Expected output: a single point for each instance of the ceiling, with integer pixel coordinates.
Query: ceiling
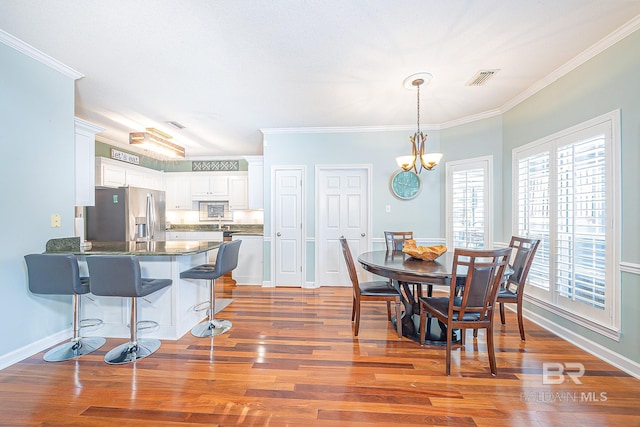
(227, 69)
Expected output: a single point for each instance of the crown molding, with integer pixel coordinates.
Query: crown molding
(39, 56)
(473, 118)
(627, 29)
(347, 129)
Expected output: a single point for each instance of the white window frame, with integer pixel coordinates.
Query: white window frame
(484, 163)
(607, 321)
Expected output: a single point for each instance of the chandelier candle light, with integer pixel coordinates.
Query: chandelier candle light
(418, 158)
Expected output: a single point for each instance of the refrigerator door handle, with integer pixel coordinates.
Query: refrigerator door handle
(151, 216)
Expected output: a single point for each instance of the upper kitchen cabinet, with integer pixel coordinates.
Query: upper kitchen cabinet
(113, 173)
(255, 184)
(238, 192)
(85, 151)
(178, 191)
(210, 187)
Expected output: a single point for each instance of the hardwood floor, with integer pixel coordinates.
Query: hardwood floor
(291, 359)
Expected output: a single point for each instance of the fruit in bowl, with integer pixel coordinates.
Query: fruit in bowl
(425, 253)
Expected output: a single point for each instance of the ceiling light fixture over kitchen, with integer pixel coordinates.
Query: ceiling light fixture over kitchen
(156, 141)
(418, 158)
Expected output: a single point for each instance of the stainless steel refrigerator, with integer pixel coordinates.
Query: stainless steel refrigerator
(126, 214)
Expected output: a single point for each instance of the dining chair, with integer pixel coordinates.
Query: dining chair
(395, 242)
(379, 290)
(473, 307)
(513, 290)
(395, 239)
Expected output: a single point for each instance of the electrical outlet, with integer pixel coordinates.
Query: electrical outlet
(55, 220)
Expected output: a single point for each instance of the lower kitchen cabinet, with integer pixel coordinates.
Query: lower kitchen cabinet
(250, 269)
(201, 236)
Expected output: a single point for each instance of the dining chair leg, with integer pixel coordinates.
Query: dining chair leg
(448, 351)
(502, 313)
(357, 323)
(429, 290)
(492, 355)
(353, 309)
(520, 322)
(398, 318)
(389, 311)
(423, 328)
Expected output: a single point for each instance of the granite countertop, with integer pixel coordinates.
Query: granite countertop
(245, 229)
(153, 248)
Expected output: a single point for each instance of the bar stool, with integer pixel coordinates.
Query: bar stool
(120, 276)
(59, 274)
(226, 261)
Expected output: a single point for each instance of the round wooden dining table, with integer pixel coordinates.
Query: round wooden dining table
(404, 269)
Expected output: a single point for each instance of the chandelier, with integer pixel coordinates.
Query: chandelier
(418, 158)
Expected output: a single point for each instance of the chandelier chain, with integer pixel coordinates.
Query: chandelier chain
(418, 108)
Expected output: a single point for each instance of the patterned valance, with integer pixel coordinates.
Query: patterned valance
(215, 165)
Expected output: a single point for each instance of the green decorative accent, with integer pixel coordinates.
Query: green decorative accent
(215, 165)
(405, 185)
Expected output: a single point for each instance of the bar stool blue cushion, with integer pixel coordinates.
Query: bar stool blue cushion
(59, 274)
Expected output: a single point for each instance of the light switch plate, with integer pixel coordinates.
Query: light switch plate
(55, 220)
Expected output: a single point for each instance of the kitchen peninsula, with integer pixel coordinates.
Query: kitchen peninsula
(172, 307)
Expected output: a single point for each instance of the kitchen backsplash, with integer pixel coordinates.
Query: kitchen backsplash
(186, 217)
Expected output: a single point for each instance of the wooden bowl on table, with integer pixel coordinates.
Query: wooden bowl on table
(425, 253)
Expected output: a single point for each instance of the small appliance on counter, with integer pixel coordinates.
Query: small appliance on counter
(126, 214)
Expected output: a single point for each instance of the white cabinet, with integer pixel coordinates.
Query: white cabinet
(210, 236)
(177, 235)
(209, 187)
(178, 191)
(109, 173)
(113, 173)
(195, 236)
(238, 192)
(85, 152)
(255, 182)
(250, 260)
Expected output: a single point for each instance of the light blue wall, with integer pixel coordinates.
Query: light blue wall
(607, 82)
(37, 179)
(424, 214)
(478, 139)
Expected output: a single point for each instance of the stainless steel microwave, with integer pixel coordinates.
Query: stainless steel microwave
(215, 211)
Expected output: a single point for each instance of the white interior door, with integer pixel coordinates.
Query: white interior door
(287, 220)
(342, 209)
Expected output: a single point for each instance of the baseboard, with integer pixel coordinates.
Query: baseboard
(34, 347)
(623, 363)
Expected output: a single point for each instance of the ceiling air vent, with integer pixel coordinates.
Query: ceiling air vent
(175, 124)
(481, 77)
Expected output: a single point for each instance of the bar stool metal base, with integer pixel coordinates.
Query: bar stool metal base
(211, 328)
(130, 352)
(74, 348)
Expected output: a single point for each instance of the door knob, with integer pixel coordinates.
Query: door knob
(362, 234)
(278, 234)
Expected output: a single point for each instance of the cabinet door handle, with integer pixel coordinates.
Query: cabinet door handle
(278, 234)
